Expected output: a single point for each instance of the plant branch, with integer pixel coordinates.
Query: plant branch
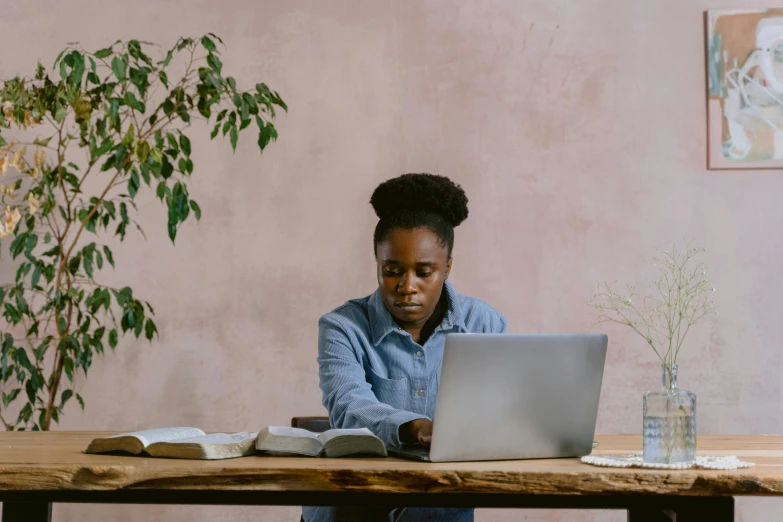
(81, 112)
(681, 302)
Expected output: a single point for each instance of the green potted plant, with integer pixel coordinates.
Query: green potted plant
(75, 150)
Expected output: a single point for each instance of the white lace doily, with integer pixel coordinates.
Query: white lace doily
(636, 461)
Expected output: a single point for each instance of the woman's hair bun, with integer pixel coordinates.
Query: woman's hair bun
(423, 193)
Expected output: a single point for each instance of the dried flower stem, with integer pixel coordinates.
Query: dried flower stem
(663, 320)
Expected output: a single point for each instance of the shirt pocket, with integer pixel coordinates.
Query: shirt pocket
(394, 392)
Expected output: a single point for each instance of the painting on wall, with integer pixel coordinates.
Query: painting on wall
(745, 88)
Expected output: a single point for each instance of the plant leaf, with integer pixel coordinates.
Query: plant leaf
(36, 276)
(118, 68)
(134, 103)
(134, 183)
(196, 209)
(77, 71)
(103, 53)
(68, 365)
(234, 137)
(208, 44)
(109, 256)
(8, 399)
(87, 263)
(184, 143)
(67, 394)
(150, 329)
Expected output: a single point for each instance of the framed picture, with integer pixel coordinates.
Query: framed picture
(745, 88)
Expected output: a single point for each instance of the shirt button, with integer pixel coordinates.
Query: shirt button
(419, 354)
(421, 393)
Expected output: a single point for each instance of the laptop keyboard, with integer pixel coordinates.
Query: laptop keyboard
(410, 451)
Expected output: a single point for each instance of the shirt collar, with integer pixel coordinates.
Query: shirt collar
(382, 323)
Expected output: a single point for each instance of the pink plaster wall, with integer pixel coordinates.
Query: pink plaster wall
(577, 129)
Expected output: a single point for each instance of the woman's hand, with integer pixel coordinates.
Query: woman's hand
(417, 431)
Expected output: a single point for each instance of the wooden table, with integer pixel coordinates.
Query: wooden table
(38, 469)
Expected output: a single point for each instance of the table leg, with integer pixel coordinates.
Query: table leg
(648, 515)
(695, 509)
(27, 512)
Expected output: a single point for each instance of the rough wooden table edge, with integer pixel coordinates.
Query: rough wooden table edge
(603, 482)
(54, 471)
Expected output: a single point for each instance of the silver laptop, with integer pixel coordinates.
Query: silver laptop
(510, 396)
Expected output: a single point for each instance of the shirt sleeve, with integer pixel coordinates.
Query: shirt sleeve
(496, 323)
(347, 395)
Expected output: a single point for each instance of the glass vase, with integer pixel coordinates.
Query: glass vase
(669, 422)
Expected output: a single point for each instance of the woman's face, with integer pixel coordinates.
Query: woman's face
(412, 266)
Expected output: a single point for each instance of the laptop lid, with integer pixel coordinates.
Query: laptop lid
(514, 396)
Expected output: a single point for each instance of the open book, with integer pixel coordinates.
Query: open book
(281, 440)
(179, 443)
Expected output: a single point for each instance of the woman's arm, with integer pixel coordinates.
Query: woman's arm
(347, 395)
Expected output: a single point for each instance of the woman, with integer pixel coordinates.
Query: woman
(379, 356)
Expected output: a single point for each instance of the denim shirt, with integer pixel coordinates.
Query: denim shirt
(373, 375)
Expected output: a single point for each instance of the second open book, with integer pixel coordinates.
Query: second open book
(192, 443)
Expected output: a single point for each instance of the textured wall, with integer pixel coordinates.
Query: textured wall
(577, 129)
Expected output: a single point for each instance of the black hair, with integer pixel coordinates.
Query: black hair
(414, 201)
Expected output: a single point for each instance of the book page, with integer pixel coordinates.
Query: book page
(285, 431)
(341, 443)
(331, 434)
(217, 438)
(212, 446)
(282, 440)
(148, 437)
